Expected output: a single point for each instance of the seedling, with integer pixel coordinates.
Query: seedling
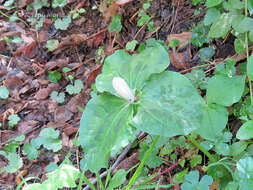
(58, 97)
(54, 76)
(76, 88)
(77, 12)
(52, 45)
(4, 92)
(13, 120)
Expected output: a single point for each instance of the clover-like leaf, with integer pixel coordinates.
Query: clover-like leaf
(62, 24)
(15, 162)
(169, 105)
(244, 173)
(58, 97)
(13, 120)
(76, 88)
(48, 137)
(193, 183)
(64, 176)
(30, 150)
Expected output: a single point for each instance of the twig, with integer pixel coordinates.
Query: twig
(119, 159)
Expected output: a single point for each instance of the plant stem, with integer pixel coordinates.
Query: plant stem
(247, 49)
(211, 158)
(143, 161)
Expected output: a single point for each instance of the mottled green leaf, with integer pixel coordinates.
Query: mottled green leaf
(211, 15)
(246, 131)
(212, 3)
(221, 26)
(214, 121)
(225, 90)
(169, 105)
(104, 129)
(135, 69)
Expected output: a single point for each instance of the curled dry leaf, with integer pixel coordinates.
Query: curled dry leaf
(20, 176)
(178, 60)
(183, 38)
(127, 163)
(72, 40)
(122, 2)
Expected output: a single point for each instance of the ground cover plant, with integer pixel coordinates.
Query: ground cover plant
(122, 94)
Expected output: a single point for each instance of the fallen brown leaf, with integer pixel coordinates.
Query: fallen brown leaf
(178, 60)
(183, 38)
(127, 163)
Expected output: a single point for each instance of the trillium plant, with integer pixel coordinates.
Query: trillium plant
(136, 93)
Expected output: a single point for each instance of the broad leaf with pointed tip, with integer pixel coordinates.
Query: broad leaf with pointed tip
(169, 105)
(135, 69)
(214, 121)
(104, 129)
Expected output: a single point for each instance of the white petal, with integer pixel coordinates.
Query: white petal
(122, 89)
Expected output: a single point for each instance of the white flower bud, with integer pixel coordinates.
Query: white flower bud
(122, 89)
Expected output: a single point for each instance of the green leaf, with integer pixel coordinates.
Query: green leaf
(222, 148)
(51, 167)
(62, 24)
(233, 4)
(54, 76)
(195, 161)
(144, 19)
(118, 179)
(246, 131)
(245, 25)
(76, 88)
(225, 90)
(38, 4)
(168, 106)
(14, 162)
(250, 6)
(131, 45)
(13, 120)
(48, 137)
(206, 53)
(239, 46)
(64, 176)
(59, 3)
(250, 68)
(4, 92)
(193, 183)
(198, 78)
(115, 25)
(212, 3)
(135, 70)
(58, 97)
(8, 3)
(52, 45)
(214, 121)
(221, 26)
(237, 148)
(104, 129)
(17, 39)
(244, 173)
(31, 151)
(211, 15)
